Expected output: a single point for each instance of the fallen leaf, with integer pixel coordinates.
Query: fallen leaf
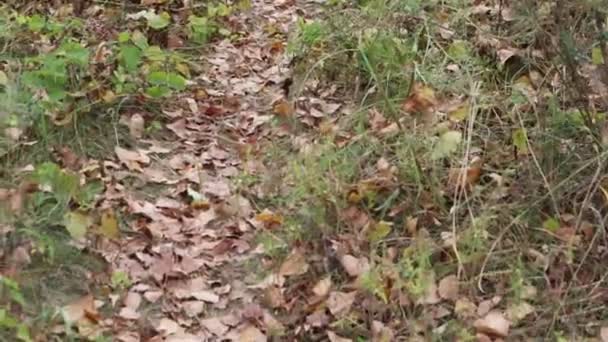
(251, 334)
(215, 326)
(494, 323)
(77, 224)
(448, 288)
(206, 296)
(447, 144)
(109, 225)
(333, 337)
(131, 159)
(421, 99)
(382, 333)
(269, 218)
(518, 311)
(129, 314)
(193, 308)
(379, 231)
(136, 125)
(168, 326)
(464, 308)
(354, 266)
(80, 309)
(321, 289)
(460, 113)
(283, 108)
(132, 300)
(339, 303)
(295, 264)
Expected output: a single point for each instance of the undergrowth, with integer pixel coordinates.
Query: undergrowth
(472, 150)
(67, 76)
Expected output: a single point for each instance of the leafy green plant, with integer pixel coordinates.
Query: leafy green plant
(10, 293)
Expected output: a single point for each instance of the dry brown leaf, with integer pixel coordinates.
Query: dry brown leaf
(295, 264)
(129, 314)
(82, 308)
(339, 303)
(448, 288)
(206, 296)
(136, 125)
(518, 311)
(153, 296)
(430, 296)
(132, 300)
(131, 159)
(354, 266)
(333, 337)
(215, 326)
(382, 333)
(485, 306)
(283, 108)
(251, 334)
(494, 323)
(421, 100)
(193, 308)
(465, 308)
(168, 326)
(321, 289)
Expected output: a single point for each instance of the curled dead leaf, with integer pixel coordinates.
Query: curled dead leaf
(354, 266)
(339, 303)
(295, 264)
(322, 287)
(494, 324)
(448, 288)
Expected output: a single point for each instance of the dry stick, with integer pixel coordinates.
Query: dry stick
(524, 212)
(461, 179)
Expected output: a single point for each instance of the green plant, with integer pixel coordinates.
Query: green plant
(10, 293)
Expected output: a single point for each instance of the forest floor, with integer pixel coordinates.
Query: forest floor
(286, 170)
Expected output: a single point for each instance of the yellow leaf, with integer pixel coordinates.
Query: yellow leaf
(109, 225)
(183, 69)
(379, 231)
(269, 218)
(597, 57)
(77, 224)
(3, 78)
(108, 96)
(460, 113)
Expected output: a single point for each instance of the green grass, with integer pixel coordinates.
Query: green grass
(539, 147)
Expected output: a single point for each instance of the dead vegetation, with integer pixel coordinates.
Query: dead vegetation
(372, 170)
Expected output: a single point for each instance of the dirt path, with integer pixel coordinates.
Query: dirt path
(192, 224)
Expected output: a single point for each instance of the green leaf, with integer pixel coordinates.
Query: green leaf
(597, 57)
(447, 144)
(157, 91)
(36, 23)
(124, 37)
(520, 140)
(140, 40)
(551, 224)
(74, 53)
(77, 224)
(169, 79)
(23, 333)
(459, 50)
(130, 57)
(158, 21)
